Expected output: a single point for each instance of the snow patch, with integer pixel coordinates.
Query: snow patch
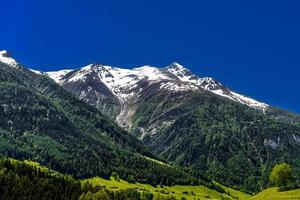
(173, 86)
(122, 82)
(58, 75)
(213, 86)
(37, 71)
(248, 101)
(5, 58)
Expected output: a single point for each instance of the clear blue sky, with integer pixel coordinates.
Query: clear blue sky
(251, 46)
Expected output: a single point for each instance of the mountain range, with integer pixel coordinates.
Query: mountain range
(170, 114)
(41, 121)
(121, 87)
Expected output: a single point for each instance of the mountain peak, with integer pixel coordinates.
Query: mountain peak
(181, 72)
(4, 52)
(92, 66)
(5, 58)
(176, 65)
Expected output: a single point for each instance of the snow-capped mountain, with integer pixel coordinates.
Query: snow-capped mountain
(126, 83)
(181, 117)
(214, 86)
(123, 82)
(121, 93)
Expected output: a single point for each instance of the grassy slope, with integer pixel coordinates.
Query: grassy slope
(274, 194)
(222, 139)
(41, 167)
(234, 193)
(200, 192)
(176, 191)
(156, 161)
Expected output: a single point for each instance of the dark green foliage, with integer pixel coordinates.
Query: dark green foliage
(227, 141)
(21, 181)
(147, 196)
(39, 120)
(283, 115)
(115, 176)
(281, 175)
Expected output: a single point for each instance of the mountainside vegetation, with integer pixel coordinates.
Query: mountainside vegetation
(282, 175)
(19, 180)
(275, 194)
(29, 180)
(188, 137)
(39, 120)
(211, 134)
(177, 191)
(229, 142)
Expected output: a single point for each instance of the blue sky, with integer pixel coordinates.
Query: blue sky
(251, 46)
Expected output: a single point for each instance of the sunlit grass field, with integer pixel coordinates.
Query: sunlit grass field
(178, 191)
(274, 194)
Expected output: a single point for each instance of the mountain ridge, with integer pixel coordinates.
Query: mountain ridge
(207, 83)
(180, 72)
(43, 122)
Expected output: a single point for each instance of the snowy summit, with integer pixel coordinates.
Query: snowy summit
(126, 83)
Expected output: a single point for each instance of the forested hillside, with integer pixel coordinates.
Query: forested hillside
(210, 135)
(191, 121)
(229, 142)
(41, 121)
(29, 180)
(19, 180)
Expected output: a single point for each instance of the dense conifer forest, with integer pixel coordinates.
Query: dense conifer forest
(41, 121)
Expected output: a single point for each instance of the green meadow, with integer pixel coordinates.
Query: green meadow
(178, 191)
(274, 194)
(181, 191)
